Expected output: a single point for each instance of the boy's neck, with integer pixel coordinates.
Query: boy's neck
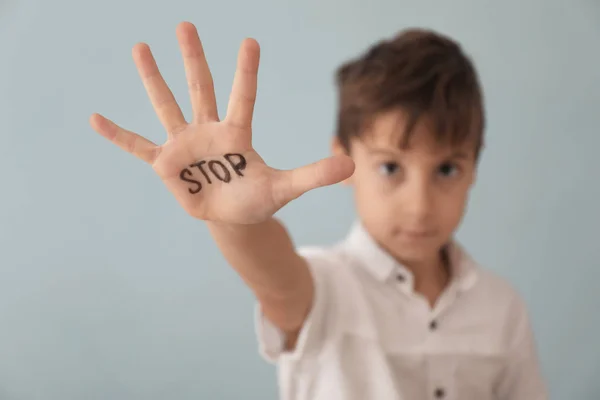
(431, 276)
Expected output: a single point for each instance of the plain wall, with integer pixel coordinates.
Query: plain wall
(109, 291)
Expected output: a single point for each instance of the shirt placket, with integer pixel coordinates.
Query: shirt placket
(441, 385)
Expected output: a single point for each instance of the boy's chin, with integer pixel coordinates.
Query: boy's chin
(416, 252)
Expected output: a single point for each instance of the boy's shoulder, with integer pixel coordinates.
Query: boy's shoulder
(494, 294)
(331, 257)
(493, 281)
(495, 285)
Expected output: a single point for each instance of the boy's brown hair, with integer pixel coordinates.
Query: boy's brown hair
(421, 72)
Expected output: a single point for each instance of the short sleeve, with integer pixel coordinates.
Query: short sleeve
(314, 331)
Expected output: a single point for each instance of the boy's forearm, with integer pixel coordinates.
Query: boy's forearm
(265, 258)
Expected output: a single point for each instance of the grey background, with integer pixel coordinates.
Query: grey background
(109, 291)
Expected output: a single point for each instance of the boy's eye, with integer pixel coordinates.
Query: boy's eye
(448, 169)
(388, 168)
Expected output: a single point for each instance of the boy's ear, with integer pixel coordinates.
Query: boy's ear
(473, 176)
(338, 149)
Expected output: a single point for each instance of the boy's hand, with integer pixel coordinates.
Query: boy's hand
(210, 165)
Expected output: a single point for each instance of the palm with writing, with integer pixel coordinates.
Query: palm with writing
(209, 165)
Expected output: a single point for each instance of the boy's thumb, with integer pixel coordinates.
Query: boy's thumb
(292, 184)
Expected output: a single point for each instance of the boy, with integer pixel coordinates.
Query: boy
(398, 310)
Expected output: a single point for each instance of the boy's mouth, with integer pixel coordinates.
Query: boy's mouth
(416, 234)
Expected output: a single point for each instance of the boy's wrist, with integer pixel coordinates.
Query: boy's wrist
(234, 227)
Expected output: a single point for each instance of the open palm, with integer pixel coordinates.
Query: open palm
(210, 165)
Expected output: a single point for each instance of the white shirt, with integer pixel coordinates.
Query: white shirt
(370, 336)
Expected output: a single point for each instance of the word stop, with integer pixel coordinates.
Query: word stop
(213, 170)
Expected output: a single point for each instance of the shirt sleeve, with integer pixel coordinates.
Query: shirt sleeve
(314, 331)
(522, 378)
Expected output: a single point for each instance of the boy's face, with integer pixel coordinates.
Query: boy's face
(410, 200)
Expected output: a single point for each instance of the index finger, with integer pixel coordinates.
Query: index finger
(160, 95)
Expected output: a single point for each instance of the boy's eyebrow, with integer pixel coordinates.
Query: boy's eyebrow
(377, 150)
(457, 155)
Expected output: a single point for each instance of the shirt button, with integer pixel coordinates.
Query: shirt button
(433, 325)
(439, 393)
(400, 277)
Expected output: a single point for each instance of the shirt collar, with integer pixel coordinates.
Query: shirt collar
(383, 266)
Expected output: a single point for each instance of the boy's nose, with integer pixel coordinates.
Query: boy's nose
(417, 201)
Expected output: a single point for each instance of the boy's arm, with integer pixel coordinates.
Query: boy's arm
(264, 256)
(215, 174)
